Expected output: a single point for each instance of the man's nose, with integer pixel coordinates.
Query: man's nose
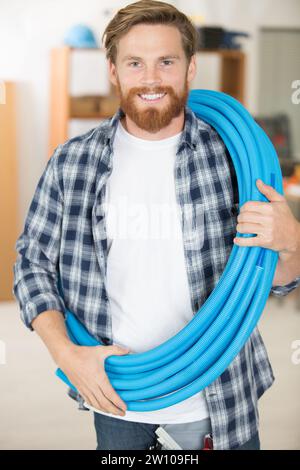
(151, 77)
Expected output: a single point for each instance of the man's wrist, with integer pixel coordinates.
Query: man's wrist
(296, 245)
(288, 266)
(62, 351)
(294, 248)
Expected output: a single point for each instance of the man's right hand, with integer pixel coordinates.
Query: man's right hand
(84, 367)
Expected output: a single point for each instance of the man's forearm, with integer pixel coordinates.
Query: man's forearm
(50, 326)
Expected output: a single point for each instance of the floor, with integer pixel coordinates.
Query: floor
(36, 413)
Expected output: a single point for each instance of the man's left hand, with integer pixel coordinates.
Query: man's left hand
(273, 223)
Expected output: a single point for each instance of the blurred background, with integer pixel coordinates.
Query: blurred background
(54, 85)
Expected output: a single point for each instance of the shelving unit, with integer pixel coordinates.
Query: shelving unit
(232, 80)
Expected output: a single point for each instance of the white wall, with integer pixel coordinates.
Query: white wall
(29, 29)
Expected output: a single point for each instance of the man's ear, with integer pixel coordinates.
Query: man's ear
(192, 68)
(112, 72)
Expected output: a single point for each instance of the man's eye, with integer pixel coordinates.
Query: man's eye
(135, 63)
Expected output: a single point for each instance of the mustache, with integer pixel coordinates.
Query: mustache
(146, 90)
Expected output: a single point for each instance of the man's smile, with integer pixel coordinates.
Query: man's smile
(152, 97)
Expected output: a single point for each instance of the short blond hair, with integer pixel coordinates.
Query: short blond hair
(149, 12)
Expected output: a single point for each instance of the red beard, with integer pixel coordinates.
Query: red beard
(152, 119)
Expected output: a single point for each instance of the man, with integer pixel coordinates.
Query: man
(131, 286)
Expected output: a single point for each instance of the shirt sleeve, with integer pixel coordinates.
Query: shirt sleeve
(36, 267)
(286, 289)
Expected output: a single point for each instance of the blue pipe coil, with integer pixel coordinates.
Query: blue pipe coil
(199, 353)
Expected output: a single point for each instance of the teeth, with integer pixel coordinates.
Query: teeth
(152, 96)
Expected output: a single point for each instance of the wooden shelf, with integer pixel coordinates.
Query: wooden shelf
(9, 190)
(232, 82)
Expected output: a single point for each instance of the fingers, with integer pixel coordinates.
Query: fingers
(113, 350)
(88, 397)
(109, 404)
(108, 398)
(97, 399)
(99, 392)
(256, 206)
(253, 241)
(253, 217)
(110, 393)
(257, 229)
(104, 384)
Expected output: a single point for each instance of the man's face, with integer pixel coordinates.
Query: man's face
(152, 75)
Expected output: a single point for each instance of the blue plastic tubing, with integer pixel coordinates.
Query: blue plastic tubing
(204, 348)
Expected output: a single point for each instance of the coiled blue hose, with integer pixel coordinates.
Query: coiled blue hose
(202, 351)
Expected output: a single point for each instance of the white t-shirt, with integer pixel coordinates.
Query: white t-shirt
(147, 282)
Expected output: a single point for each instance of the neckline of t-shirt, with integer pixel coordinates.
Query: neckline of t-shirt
(137, 141)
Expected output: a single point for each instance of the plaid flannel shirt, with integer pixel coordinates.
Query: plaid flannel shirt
(64, 238)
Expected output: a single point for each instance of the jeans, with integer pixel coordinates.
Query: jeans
(118, 434)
